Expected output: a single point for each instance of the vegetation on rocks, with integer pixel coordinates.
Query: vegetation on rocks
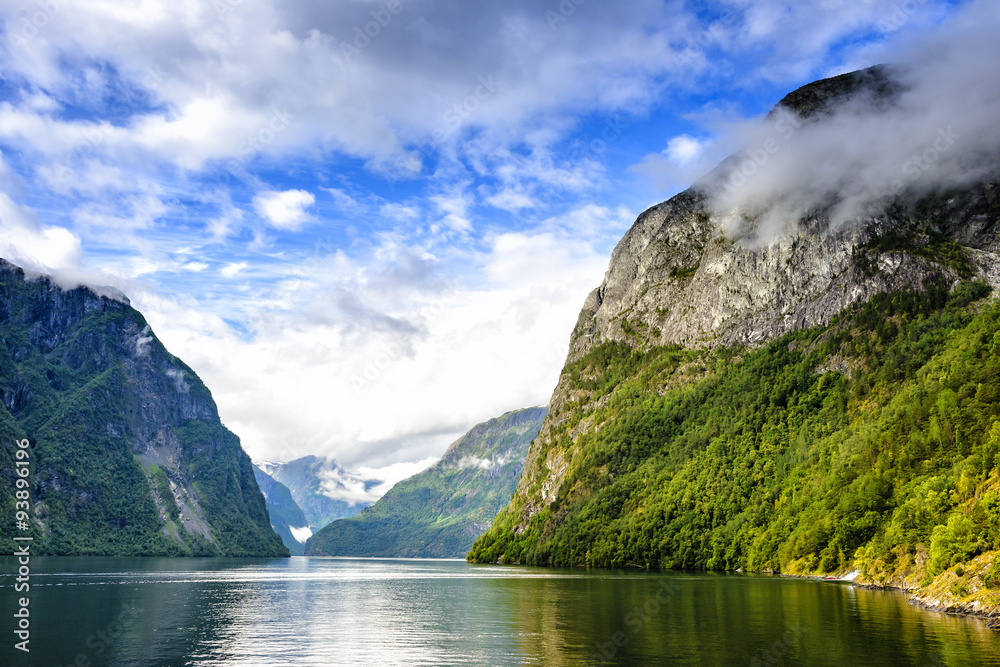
(770, 459)
(129, 455)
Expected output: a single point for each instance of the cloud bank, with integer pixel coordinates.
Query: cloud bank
(934, 127)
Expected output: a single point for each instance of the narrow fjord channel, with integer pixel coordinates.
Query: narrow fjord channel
(321, 611)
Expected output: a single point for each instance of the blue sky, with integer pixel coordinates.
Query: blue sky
(366, 243)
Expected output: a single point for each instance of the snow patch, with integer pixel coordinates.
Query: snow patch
(301, 534)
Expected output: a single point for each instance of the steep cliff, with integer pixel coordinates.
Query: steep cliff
(286, 516)
(441, 511)
(814, 399)
(130, 457)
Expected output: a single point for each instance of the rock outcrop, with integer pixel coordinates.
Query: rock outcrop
(676, 277)
(130, 457)
(807, 398)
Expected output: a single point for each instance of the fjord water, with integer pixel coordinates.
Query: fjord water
(318, 611)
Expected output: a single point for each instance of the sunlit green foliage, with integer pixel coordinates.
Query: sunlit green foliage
(875, 437)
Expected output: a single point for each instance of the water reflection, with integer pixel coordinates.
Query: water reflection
(303, 611)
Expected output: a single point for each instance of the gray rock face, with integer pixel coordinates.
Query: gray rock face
(124, 434)
(681, 275)
(676, 279)
(286, 516)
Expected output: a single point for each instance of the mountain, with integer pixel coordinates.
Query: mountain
(823, 399)
(286, 516)
(129, 455)
(323, 490)
(439, 512)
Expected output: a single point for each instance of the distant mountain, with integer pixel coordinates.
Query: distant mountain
(441, 511)
(286, 516)
(313, 481)
(130, 457)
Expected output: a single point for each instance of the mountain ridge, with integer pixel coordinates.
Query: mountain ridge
(440, 511)
(310, 478)
(130, 456)
(720, 405)
(286, 516)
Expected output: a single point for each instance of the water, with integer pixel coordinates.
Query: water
(315, 611)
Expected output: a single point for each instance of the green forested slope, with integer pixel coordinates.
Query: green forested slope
(440, 511)
(130, 455)
(872, 443)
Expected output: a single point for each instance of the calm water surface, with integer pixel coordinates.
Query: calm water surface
(318, 611)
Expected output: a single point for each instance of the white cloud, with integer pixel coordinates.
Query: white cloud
(400, 212)
(484, 464)
(455, 210)
(390, 475)
(285, 210)
(142, 128)
(33, 246)
(683, 149)
(511, 201)
(388, 329)
(941, 131)
(343, 200)
(232, 269)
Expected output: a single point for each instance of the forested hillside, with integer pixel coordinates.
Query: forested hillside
(870, 443)
(130, 457)
(442, 510)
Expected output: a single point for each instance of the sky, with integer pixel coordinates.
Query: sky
(370, 225)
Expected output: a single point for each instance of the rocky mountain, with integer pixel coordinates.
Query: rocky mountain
(325, 491)
(440, 512)
(821, 398)
(129, 455)
(683, 275)
(286, 516)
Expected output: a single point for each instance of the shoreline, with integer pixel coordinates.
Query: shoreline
(990, 615)
(948, 593)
